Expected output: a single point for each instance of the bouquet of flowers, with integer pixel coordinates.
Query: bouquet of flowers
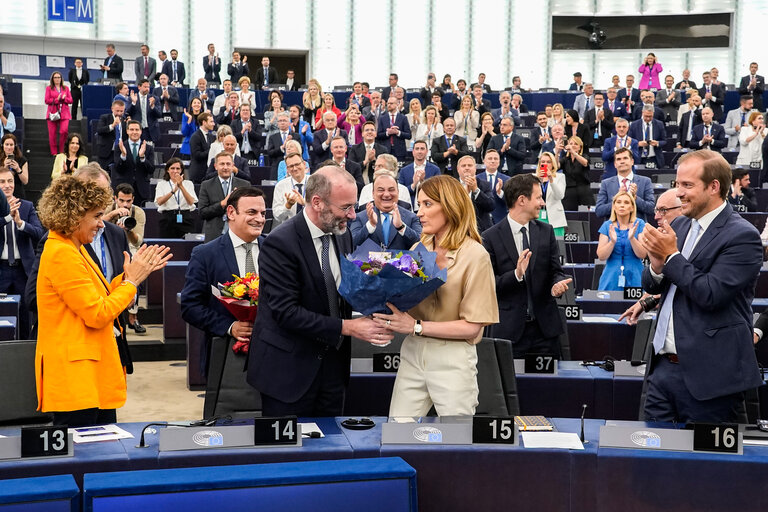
(371, 277)
(241, 298)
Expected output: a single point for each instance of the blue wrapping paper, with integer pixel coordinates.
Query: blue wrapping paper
(369, 294)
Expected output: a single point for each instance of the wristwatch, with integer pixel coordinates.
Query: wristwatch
(418, 329)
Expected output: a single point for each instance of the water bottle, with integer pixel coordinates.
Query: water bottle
(261, 160)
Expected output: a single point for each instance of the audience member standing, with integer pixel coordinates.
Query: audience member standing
(58, 98)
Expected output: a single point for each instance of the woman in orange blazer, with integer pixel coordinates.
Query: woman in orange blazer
(77, 365)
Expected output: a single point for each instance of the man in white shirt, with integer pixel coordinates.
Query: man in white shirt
(221, 99)
(288, 197)
(169, 98)
(584, 101)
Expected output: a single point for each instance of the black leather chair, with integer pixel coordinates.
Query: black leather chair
(227, 392)
(496, 378)
(563, 340)
(18, 401)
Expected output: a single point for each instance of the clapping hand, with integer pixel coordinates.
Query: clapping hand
(612, 233)
(146, 260)
(143, 149)
(560, 287)
(522, 263)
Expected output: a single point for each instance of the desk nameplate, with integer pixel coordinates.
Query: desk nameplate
(520, 368)
(211, 438)
(426, 433)
(10, 448)
(646, 438)
(625, 369)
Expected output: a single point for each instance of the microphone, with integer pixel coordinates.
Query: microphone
(144, 430)
(200, 423)
(583, 412)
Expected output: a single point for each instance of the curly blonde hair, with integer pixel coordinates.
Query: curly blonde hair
(66, 201)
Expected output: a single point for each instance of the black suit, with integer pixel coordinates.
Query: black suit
(716, 104)
(514, 156)
(447, 163)
(199, 144)
(685, 123)
(135, 172)
(540, 334)
(152, 131)
(115, 68)
(606, 125)
(535, 134)
(357, 154)
(362, 103)
(484, 205)
(237, 71)
(173, 101)
(298, 358)
(757, 92)
(106, 141)
(355, 169)
(243, 169)
(273, 78)
(167, 70)
(211, 211)
(274, 152)
(75, 87)
(254, 137)
(481, 107)
(317, 154)
(426, 95)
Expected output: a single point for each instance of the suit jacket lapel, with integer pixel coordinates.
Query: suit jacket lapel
(228, 250)
(92, 259)
(712, 231)
(307, 246)
(533, 238)
(507, 238)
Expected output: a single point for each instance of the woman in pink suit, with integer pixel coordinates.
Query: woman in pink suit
(650, 70)
(58, 98)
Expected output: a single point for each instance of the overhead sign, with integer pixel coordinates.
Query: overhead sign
(75, 11)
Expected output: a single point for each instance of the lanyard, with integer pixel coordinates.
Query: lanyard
(103, 255)
(544, 190)
(177, 197)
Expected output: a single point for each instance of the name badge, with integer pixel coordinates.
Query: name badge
(179, 218)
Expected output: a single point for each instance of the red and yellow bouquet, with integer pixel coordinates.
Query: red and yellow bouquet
(241, 298)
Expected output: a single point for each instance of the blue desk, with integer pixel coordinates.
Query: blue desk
(40, 494)
(8, 328)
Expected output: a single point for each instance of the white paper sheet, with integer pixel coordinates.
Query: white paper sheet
(567, 440)
(308, 428)
(94, 63)
(98, 433)
(54, 62)
(599, 320)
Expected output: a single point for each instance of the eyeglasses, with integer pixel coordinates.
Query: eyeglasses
(663, 211)
(345, 209)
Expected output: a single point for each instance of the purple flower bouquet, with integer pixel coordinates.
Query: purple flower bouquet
(372, 276)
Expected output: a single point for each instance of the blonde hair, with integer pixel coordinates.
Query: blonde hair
(307, 100)
(66, 201)
(551, 159)
(633, 215)
(457, 208)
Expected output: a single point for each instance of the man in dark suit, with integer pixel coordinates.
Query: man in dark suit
(18, 239)
(480, 104)
(375, 109)
(496, 180)
(367, 151)
(648, 98)
(511, 148)
(199, 145)
(113, 64)
(393, 130)
(234, 253)
(712, 96)
(169, 98)
(387, 91)
(174, 69)
(206, 95)
(237, 68)
(78, 77)
(613, 104)
(321, 145)
(266, 75)
(481, 83)
(741, 197)
(145, 108)
(276, 141)
(358, 98)
(612, 144)
(577, 84)
(708, 134)
(651, 136)
(212, 65)
(480, 191)
(427, 91)
(144, 67)
(668, 99)
(134, 163)
(290, 81)
(447, 150)
(247, 131)
(231, 109)
(705, 265)
(629, 95)
(754, 85)
(110, 128)
(639, 186)
(526, 262)
(385, 222)
(413, 175)
(686, 82)
(540, 134)
(214, 194)
(338, 149)
(599, 119)
(300, 348)
(687, 122)
(242, 169)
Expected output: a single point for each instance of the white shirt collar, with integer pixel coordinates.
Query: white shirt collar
(515, 226)
(630, 177)
(236, 240)
(314, 231)
(708, 218)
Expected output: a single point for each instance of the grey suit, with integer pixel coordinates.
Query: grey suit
(732, 120)
(671, 107)
(138, 68)
(211, 195)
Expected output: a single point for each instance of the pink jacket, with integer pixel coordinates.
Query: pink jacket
(53, 101)
(650, 76)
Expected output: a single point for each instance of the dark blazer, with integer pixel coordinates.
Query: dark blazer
(356, 153)
(685, 122)
(396, 241)
(637, 132)
(211, 263)
(212, 71)
(195, 93)
(26, 239)
(254, 134)
(621, 94)
(440, 146)
(181, 73)
(243, 169)
(535, 134)
(75, 84)
(210, 207)
(718, 134)
(153, 116)
(543, 272)
(274, 76)
(691, 84)
(236, 72)
(757, 92)
(746, 202)
(482, 108)
(426, 95)
(173, 100)
(658, 113)
(500, 210)
(514, 157)
(609, 148)
(713, 305)
(405, 177)
(274, 152)
(134, 172)
(317, 154)
(395, 144)
(645, 199)
(671, 107)
(619, 109)
(606, 125)
(582, 132)
(106, 141)
(199, 144)
(293, 329)
(365, 101)
(115, 69)
(356, 171)
(484, 205)
(718, 94)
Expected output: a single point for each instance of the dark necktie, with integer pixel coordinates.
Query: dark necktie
(330, 282)
(528, 291)
(9, 243)
(299, 187)
(146, 66)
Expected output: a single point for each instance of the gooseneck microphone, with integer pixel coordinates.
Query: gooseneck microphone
(583, 412)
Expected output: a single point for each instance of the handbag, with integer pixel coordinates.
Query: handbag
(227, 391)
(55, 116)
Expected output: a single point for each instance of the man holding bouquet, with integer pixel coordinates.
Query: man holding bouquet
(383, 220)
(233, 253)
(300, 350)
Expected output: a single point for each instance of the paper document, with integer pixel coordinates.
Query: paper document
(98, 433)
(567, 440)
(308, 428)
(599, 320)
